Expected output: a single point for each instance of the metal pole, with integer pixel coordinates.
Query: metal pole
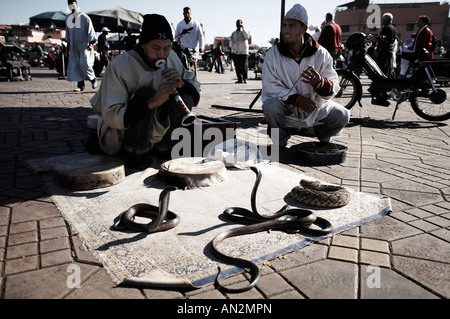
(63, 60)
(283, 10)
(63, 77)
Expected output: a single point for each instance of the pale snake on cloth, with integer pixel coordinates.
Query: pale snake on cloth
(315, 193)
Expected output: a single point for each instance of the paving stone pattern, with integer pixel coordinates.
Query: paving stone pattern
(403, 255)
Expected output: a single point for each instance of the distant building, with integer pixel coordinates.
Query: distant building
(226, 43)
(24, 34)
(352, 17)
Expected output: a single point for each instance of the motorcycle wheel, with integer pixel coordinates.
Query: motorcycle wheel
(432, 106)
(350, 91)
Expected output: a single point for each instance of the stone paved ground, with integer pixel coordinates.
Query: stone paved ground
(407, 159)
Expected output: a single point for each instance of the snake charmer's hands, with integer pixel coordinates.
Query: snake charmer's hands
(173, 75)
(165, 89)
(306, 104)
(311, 76)
(172, 81)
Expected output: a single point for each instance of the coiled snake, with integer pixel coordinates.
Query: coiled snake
(162, 218)
(317, 194)
(286, 219)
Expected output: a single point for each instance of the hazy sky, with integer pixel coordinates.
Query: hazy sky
(261, 17)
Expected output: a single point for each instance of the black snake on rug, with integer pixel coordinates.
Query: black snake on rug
(286, 219)
(162, 218)
(317, 194)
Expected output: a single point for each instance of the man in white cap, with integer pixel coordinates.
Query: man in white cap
(298, 83)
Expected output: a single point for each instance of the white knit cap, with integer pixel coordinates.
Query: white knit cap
(298, 13)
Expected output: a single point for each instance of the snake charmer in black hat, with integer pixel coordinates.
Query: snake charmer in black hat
(155, 27)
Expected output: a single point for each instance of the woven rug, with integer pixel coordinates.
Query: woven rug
(181, 257)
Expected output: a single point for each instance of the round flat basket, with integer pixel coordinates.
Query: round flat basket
(88, 172)
(321, 153)
(193, 172)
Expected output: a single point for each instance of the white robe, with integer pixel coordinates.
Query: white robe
(280, 73)
(123, 77)
(191, 40)
(78, 36)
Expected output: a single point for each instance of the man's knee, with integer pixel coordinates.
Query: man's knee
(273, 106)
(339, 115)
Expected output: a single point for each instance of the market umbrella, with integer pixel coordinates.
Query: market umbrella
(12, 47)
(53, 41)
(118, 20)
(49, 18)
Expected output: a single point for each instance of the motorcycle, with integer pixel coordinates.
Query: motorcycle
(427, 93)
(186, 56)
(35, 60)
(259, 60)
(50, 61)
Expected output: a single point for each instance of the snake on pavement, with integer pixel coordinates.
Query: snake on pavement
(294, 220)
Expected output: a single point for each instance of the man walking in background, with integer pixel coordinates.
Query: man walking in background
(103, 50)
(80, 36)
(239, 50)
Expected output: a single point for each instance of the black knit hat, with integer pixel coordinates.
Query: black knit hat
(155, 27)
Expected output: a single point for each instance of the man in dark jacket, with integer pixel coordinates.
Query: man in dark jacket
(103, 49)
(387, 45)
(424, 37)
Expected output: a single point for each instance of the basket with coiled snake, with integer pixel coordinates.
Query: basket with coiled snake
(315, 193)
(287, 219)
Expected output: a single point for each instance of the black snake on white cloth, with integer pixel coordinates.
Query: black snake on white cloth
(162, 218)
(286, 219)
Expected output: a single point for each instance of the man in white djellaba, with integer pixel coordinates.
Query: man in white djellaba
(298, 83)
(80, 35)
